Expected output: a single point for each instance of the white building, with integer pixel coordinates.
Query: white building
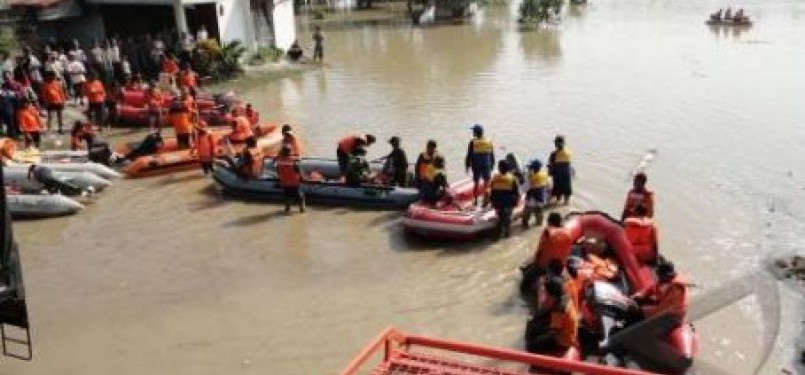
(254, 22)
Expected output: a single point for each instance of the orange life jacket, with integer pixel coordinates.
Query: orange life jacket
(53, 93)
(253, 116)
(243, 130)
(671, 297)
(181, 122)
(554, 243)
(205, 146)
(642, 233)
(95, 91)
(425, 167)
(188, 79)
(348, 143)
(565, 325)
(28, 120)
(7, 148)
(635, 198)
(288, 174)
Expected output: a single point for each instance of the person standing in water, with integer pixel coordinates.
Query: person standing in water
(536, 194)
(504, 193)
(318, 45)
(561, 171)
(480, 158)
(290, 176)
(204, 147)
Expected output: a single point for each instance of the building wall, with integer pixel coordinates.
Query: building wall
(234, 23)
(284, 24)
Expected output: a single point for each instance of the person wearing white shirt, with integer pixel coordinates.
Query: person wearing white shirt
(78, 75)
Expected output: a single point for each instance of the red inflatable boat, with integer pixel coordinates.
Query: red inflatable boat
(680, 345)
(454, 217)
(136, 98)
(138, 116)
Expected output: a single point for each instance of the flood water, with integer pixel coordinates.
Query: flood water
(162, 276)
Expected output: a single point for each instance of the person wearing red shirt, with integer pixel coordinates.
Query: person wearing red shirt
(30, 124)
(54, 97)
(290, 176)
(204, 147)
(96, 96)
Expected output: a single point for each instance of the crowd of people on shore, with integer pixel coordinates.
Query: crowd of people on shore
(43, 79)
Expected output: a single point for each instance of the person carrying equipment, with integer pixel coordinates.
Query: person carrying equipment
(642, 233)
(290, 176)
(504, 193)
(347, 147)
(480, 158)
(560, 169)
(537, 183)
(637, 196)
(45, 176)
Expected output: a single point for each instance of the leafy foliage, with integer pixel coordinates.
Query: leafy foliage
(220, 62)
(539, 11)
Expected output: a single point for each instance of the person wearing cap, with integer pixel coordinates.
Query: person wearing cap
(423, 169)
(290, 176)
(669, 295)
(289, 139)
(638, 195)
(561, 332)
(480, 158)
(347, 147)
(554, 243)
(537, 183)
(357, 168)
(504, 193)
(561, 171)
(642, 232)
(395, 167)
(204, 147)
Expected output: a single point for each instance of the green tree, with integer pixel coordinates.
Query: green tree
(539, 11)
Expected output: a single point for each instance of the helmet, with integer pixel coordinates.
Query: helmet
(477, 128)
(535, 164)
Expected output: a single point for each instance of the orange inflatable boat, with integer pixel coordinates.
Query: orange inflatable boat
(170, 159)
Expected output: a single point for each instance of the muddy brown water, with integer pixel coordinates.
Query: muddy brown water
(161, 275)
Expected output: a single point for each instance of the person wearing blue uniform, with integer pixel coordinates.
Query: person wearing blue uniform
(561, 171)
(480, 158)
(504, 193)
(537, 181)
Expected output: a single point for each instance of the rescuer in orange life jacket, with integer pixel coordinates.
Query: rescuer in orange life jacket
(668, 295)
(290, 176)
(555, 242)
(642, 233)
(562, 324)
(639, 195)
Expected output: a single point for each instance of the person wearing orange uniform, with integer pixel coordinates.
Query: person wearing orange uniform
(96, 96)
(252, 115)
(639, 195)
(30, 124)
(241, 128)
(347, 146)
(81, 132)
(7, 149)
(181, 120)
(169, 65)
(154, 101)
(562, 328)
(188, 79)
(555, 242)
(289, 139)
(290, 176)
(54, 97)
(668, 295)
(642, 233)
(204, 147)
(251, 161)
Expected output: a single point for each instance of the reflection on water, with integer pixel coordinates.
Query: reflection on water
(175, 279)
